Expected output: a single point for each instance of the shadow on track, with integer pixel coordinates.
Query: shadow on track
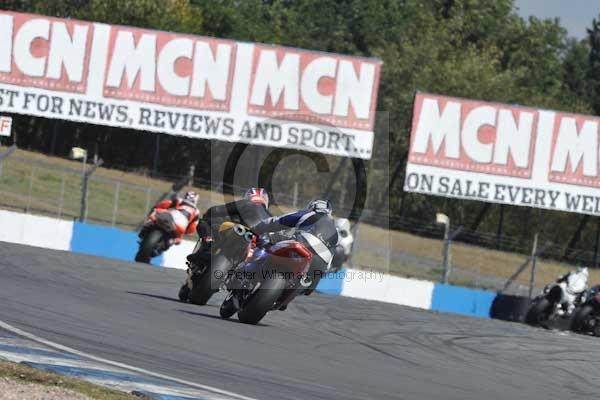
(231, 320)
(200, 314)
(173, 299)
(155, 296)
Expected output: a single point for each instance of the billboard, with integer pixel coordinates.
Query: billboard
(187, 85)
(506, 154)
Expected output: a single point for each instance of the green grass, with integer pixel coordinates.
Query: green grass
(21, 373)
(52, 186)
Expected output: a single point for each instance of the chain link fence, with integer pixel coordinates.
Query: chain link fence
(47, 189)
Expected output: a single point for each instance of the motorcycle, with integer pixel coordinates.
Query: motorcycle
(215, 259)
(343, 251)
(587, 317)
(556, 301)
(159, 233)
(269, 280)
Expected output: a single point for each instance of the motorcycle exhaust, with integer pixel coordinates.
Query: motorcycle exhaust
(306, 281)
(239, 230)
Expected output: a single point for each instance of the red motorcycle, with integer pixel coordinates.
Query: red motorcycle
(270, 280)
(159, 233)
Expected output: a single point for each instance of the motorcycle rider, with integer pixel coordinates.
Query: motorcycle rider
(249, 211)
(343, 250)
(316, 230)
(186, 206)
(574, 285)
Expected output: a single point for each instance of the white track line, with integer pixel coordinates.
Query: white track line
(57, 346)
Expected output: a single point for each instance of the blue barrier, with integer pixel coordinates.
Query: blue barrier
(332, 283)
(459, 300)
(102, 241)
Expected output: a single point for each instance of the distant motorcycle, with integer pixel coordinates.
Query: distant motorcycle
(558, 299)
(216, 258)
(587, 317)
(269, 280)
(159, 232)
(343, 251)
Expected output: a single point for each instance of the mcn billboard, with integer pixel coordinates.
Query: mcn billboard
(187, 85)
(505, 154)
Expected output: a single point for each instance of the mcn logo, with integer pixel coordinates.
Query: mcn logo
(501, 139)
(473, 136)
(44, 52)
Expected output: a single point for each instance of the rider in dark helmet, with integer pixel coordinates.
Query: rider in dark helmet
(249, 211)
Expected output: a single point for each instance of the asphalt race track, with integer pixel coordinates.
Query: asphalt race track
(322, 347)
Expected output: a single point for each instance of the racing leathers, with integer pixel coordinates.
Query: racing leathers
(243, 212)
(182, 211)
(574, 285)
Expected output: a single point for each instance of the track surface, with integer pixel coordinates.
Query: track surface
(321, 348)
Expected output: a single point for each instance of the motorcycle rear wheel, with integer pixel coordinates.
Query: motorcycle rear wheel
(149, 243)
(201, 290)
(184, 293)
(262, 301)
(579, 322)
(538, 312)
(207, 283)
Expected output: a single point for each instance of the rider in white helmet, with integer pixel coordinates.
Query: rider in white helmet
(574, 284)
(315, 228)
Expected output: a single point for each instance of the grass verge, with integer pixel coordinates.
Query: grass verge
(22, 373)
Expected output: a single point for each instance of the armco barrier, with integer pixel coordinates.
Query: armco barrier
(103, 241)
(459, 300)
(332, 283)
(387, 288)
(35, 231)
(95, 240)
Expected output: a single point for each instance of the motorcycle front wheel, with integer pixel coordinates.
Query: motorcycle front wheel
(262, 301)
(149, 243)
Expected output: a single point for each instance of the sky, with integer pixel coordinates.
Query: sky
(575, 15)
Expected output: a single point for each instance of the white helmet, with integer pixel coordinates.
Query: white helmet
(342, 225)
(191, 198)
(583, 271)
(320, 206)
